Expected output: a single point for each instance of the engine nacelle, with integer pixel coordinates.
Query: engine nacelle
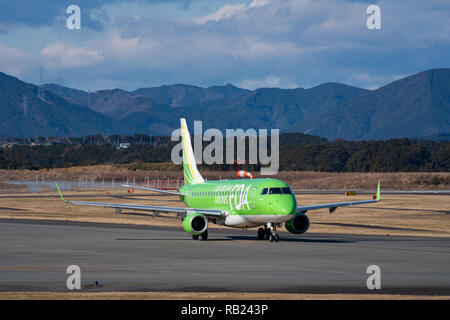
(298, 224)
(195, 223)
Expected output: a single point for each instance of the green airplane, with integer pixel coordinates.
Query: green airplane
(241, 203)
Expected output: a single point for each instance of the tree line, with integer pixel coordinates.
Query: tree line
(297, 152)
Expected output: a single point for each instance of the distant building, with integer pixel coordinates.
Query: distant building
(124, 145)
(8, 145)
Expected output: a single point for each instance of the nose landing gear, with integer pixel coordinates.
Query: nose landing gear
(269, 232)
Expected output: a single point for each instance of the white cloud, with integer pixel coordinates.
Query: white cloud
(374, 81)
(270, 81)
(229, 10)
(123, 48)
(13, 61)
(64, 55)
(224, 12)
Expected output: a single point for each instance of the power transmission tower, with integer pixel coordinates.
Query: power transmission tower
(41, 83)
(60, 81)
(25, 106)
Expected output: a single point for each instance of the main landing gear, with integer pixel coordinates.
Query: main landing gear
(268, 232)
(204, 236)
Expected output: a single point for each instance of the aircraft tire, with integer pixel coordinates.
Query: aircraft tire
(205, 235)
(261, 234)
(195, 237)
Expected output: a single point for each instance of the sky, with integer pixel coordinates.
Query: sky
(248, 43)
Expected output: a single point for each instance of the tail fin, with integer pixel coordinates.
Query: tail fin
(191, 174)
(378, 191)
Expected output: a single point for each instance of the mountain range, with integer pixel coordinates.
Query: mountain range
(417, 106)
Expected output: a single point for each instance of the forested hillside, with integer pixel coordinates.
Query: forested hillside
(297, 152)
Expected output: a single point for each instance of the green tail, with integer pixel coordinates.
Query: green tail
(191, 174)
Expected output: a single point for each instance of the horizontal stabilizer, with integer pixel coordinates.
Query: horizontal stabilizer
(154, 189)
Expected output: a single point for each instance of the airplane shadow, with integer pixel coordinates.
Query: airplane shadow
(240, 238)
(291, 239)
(369, 226)
(12, 209)
(148, 239)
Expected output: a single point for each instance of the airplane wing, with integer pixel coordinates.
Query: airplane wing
(156, 209)
(333, 206)
(154, 189)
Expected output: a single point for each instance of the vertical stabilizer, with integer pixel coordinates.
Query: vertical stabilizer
(191, 174)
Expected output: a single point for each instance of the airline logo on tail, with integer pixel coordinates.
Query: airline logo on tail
(191, 174)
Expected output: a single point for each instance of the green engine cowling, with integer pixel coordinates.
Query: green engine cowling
(195, 223)
(298, 224)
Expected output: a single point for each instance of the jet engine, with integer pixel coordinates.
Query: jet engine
(298, 224)
(195, 223)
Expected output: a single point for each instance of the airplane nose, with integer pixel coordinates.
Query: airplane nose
(288, 206)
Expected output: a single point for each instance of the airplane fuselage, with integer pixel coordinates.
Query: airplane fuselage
(249, 203)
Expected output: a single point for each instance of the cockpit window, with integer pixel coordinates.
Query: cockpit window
(275, 191)
(285, 190)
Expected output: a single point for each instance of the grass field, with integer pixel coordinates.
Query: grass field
(297, 179)
(417, 215)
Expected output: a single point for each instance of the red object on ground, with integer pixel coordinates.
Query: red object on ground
(242, 174)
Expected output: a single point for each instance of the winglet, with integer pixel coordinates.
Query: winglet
(59, 191)
(378, 191)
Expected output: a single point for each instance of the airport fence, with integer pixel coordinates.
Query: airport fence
(41, 185)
